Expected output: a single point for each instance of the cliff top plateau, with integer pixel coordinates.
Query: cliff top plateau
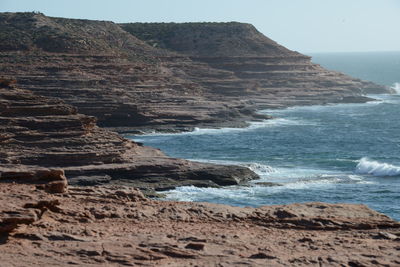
(209, 39)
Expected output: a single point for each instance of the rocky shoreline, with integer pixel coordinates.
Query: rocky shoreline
(46, 222)
(71, 81)
(118, 226)
(165, 77)
(42, 132)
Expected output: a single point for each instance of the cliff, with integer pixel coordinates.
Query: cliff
(107, 73)
(37, 132)
(205, 75)
(262, 71)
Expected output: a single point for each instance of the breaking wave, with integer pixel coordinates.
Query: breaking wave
(275, 122)
(259, 168)
(396, 87)
(375, 168)
(252, 126)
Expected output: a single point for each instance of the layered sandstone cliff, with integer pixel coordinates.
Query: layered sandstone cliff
(261, 70)
(186, 75)
(36, 132)
(105, 72)
(108, 73)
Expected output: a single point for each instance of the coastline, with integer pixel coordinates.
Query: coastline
(337, 174)
(72, 192)
(239, 122)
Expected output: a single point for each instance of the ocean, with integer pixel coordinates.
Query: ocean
(343, 153)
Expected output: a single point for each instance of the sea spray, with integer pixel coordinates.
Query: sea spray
(396, 87)
(258, 168)
(367, 166)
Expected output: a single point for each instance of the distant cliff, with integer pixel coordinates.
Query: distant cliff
(164, 76)
(264, 68)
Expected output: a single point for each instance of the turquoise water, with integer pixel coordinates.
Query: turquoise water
(338, 153)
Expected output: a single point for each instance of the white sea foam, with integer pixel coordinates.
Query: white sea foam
(260, 169)
(192, 193)
(254, 193)
(375, 168)
(252, 126)
(396, 87)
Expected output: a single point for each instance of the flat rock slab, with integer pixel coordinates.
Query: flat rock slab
(117, 225)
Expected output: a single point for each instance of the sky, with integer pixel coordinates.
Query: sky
(307, 26)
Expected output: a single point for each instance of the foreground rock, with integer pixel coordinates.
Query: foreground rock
(118, 226)
(186, 75)
(38, 131)
(16, 212)
(52, 180)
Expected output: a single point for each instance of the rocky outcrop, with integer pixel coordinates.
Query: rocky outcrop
(38, 132)
(185, 76)
(52, 180)
(116, 225)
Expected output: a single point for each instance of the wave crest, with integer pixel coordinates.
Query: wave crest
(396, 87)
(259, 168)
(367, 166)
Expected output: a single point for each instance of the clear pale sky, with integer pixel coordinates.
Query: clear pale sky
(301, 25)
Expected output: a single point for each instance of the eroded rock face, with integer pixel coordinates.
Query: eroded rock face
(117, 225)
(106, 72)
(39, 131)
(187, 75)
(260, 69)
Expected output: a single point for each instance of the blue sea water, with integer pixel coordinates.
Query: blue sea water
(345, 153)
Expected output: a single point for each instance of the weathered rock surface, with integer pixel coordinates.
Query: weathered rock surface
(255, 67)
(118, 226)
(107, 73)
(39, 131)
(52, 180)
(212, 75)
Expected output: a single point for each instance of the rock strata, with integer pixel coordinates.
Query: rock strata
(251, 66)
(118, 226)
(106, 72)
(164, 77)
(39, 132)
(52, 180)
